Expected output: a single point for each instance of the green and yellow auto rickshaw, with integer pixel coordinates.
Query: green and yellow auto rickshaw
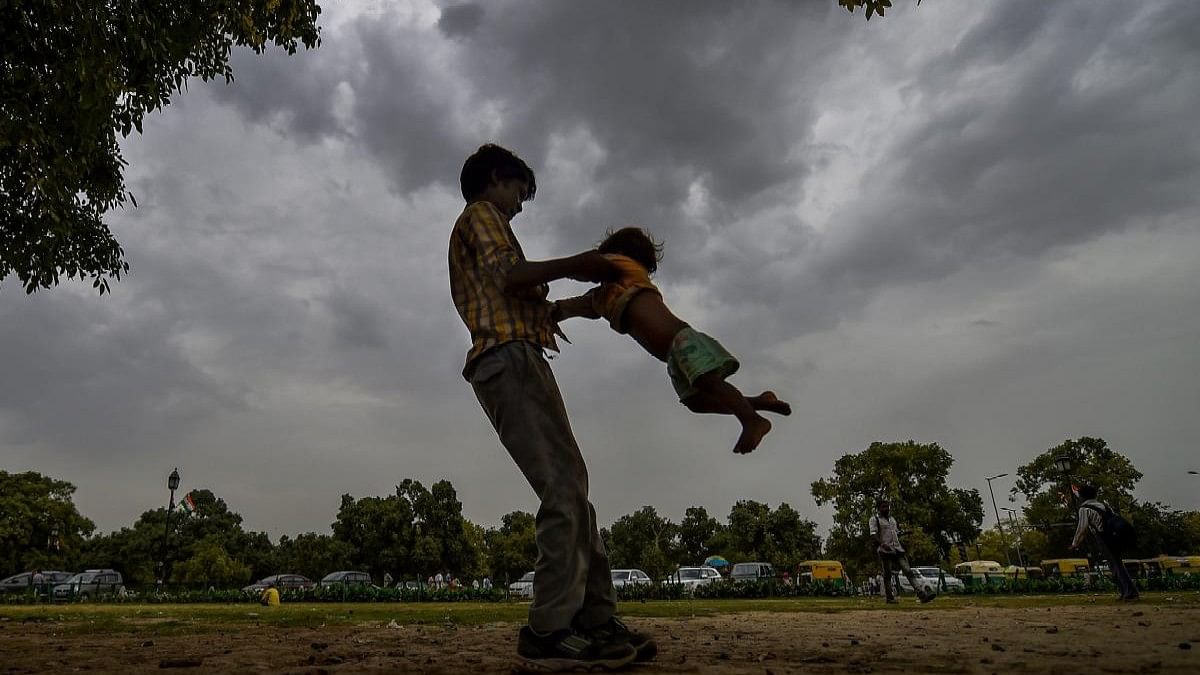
(1066, 567)
(979, 572)
(829, 572)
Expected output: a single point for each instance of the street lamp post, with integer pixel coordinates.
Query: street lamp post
(999, 526)
(1012, 521)
(172, 485)
(1063, 464)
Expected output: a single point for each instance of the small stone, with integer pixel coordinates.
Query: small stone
(1052, 629)
(179, 663)
(723, 656)
(319, 646)
(853, 643)
(824, 644)
(145, 643)
(996, 647)
(1185, 645)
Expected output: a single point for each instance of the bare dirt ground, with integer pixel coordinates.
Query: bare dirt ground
(1101, 638)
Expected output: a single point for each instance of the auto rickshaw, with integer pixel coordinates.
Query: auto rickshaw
(1135, 568)
(1066, 567)
(1179, 564)
(1013, 572)
(830, 572)
(979, 572)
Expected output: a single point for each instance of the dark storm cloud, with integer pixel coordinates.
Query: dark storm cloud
(298, 92)
(677, 96)
(1022, 148)
(460, 20)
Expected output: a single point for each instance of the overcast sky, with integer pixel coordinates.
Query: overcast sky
(974, 224)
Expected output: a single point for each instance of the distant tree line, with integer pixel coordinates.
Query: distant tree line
(412, 533)
(417, 531)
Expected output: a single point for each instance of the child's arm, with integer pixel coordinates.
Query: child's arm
(588, 266)
(580, 306)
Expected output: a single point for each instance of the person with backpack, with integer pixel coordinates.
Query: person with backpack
(1112, 534)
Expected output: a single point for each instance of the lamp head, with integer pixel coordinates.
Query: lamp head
(1063, 464)
(173, 480)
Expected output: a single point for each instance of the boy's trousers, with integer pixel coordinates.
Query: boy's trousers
(892, 563)
(572, 581)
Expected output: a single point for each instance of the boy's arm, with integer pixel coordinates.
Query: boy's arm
(487, 234)
(580, 306)
(588, 266)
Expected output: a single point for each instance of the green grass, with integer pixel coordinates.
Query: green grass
(151, 620)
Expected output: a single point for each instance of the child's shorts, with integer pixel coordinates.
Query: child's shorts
(693, 354)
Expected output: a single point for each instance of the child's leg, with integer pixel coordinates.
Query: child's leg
(704, 403)
(723, 397)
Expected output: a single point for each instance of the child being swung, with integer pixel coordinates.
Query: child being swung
(696, 363)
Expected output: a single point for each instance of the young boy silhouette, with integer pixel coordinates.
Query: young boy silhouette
(502, 299)
(696, 363)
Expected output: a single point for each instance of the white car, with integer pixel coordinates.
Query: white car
(930, 576)
(692, 577)
(522, 587)
(622, 578)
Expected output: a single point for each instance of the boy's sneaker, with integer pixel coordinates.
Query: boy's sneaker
(615, 631)
(568, 650)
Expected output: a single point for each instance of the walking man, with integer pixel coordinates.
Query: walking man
(886, 535)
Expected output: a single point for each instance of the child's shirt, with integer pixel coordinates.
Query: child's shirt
(611, 298)
(483, 249)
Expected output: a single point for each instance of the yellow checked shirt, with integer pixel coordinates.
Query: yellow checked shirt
(483, 249)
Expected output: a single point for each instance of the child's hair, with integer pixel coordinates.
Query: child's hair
(633, 242)
(490, 161)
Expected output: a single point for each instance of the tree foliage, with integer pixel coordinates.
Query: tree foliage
(40, 528)
(511, 548)
(698, 534)
(871, 6)
(210, 565)
(913, 476)
(414, 532)
(643, 540)
(73, 76)
(137, 551)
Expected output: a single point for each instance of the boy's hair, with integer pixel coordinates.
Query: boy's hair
(492, 161)
(1087, 492)
(633, 242)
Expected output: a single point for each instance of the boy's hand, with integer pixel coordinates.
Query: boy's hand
(593, 267)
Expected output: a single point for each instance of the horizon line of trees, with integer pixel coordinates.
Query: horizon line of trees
(417, 531)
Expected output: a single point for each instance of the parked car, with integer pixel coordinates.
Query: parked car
(522, 587)
(752, 571)
(284, 582)
(90, 584)
(622, 578)
(690, 578)
(346, 579)
(929, 575)
(23, 583)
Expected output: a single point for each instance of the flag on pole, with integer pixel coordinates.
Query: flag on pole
(187, 505)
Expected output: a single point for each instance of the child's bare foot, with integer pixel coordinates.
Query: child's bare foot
(771, 403)
(752, 434)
